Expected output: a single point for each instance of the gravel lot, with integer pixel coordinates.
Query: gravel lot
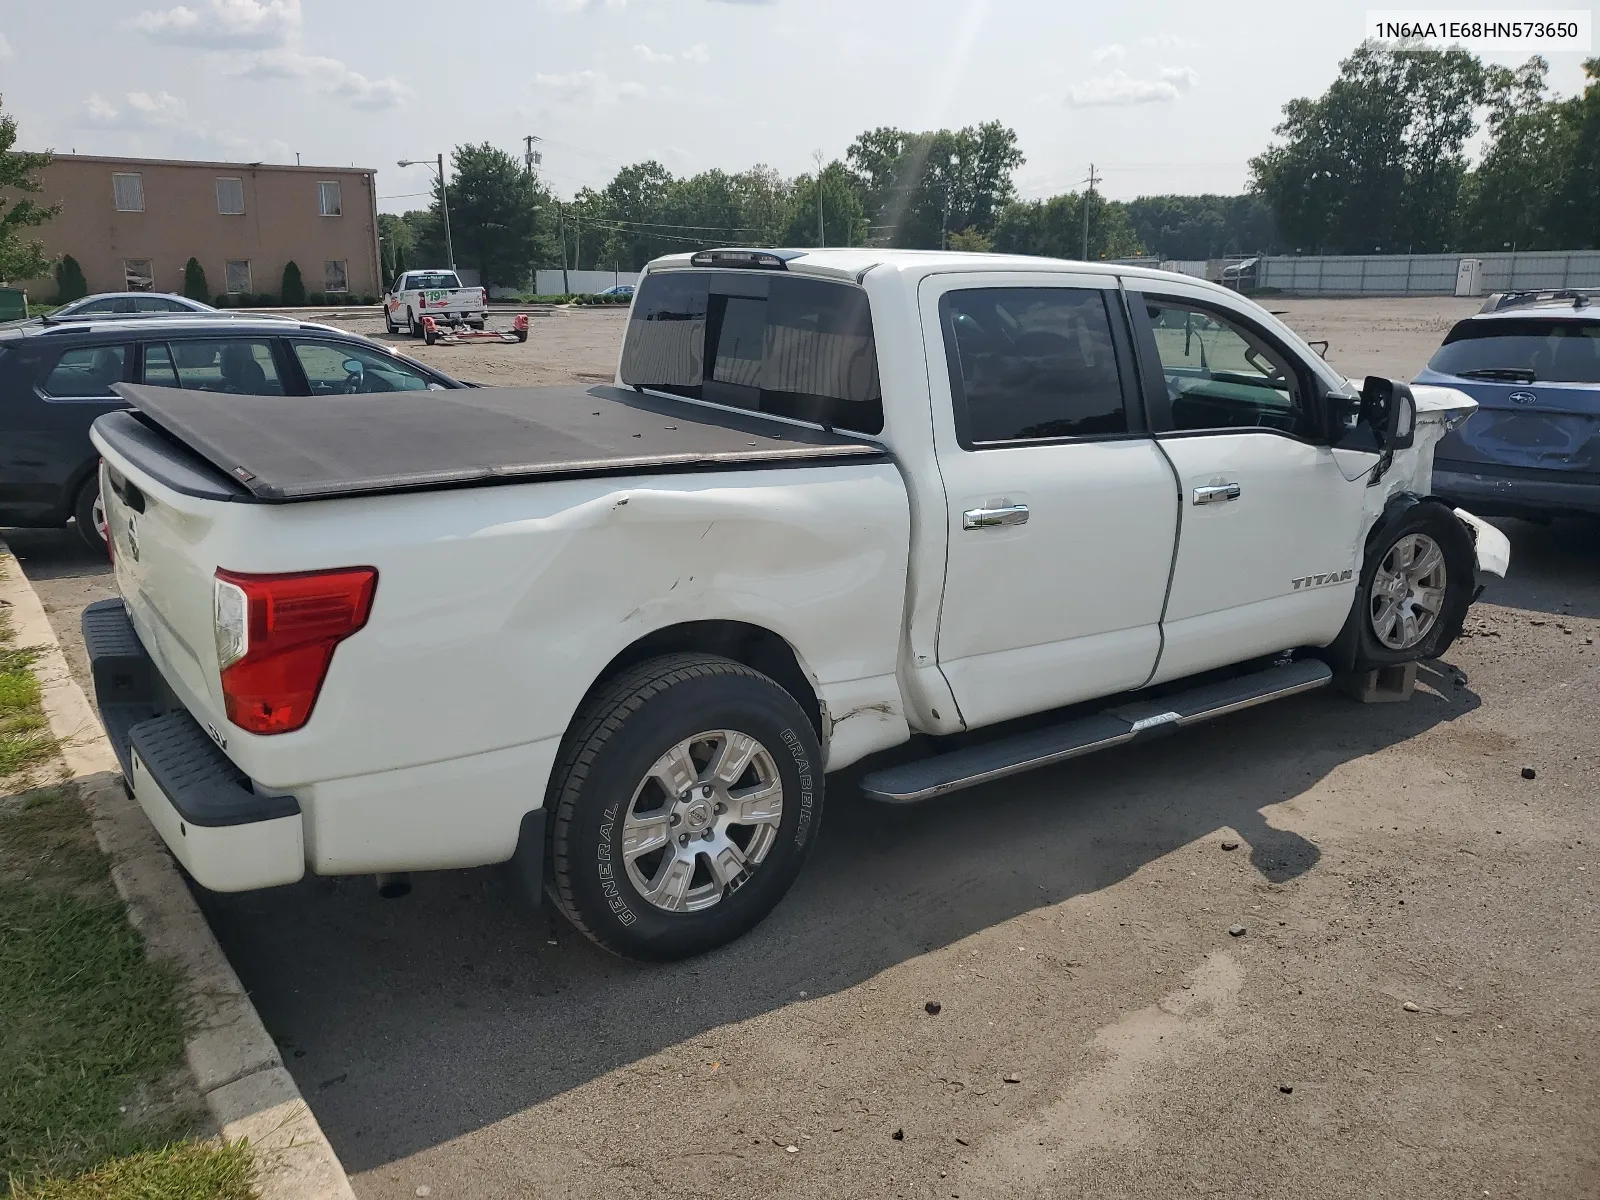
(1099, 1031)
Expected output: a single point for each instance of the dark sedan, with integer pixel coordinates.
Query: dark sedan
(55, 379)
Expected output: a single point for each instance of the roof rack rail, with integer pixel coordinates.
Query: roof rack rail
(1500, 301)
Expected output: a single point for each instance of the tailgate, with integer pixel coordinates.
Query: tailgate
(1547, 426)
(162, 541)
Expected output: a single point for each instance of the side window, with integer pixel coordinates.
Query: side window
(1220, 374)
(157, 304)
(1031, 362)
(85, 371)
(97, 306)
(158, 368)
(241, 366)
(334, 368)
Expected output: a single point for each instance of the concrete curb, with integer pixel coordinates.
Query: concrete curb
(235, 1064)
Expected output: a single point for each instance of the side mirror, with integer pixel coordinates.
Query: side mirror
(354, 366)
(1390, 410)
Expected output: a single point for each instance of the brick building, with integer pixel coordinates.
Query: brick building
(132, 224)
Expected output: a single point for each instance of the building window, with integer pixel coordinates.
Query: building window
(333, 276)
(138, 274)
(128, 192)
(328, 197)
(230, 197)
(237, 273)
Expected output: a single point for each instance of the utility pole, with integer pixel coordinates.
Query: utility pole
(566, 287)
(1087, 196)
(530, 159)
(444, 203)
(822, 237)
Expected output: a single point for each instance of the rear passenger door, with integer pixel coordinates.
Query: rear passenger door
(49, 396)
(241, 366)
(1061, 511)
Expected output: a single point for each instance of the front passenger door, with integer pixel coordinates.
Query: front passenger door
(1270, 537)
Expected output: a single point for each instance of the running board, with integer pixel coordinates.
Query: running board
(929, 777)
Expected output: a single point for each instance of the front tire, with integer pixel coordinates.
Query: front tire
(413, 328)
(685, 801)
(1416, 583)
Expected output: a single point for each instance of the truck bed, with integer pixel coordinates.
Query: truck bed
(281, 449)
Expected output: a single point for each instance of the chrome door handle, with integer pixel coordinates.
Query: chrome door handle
(1216, 493)
(985, 518)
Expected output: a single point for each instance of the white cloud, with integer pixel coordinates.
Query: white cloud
(1112, 53)
(161, 115)
(697, 53)
(1169, 41)
(585, 5)
(327, 76)
(224, 24)
(651, 56)
(5, 48)
(139, 111)
(588, 88)
(1182, 78)
(1119, 89)
(263, 39)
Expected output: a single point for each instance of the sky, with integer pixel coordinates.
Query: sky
(1161, 96)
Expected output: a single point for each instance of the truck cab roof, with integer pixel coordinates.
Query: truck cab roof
(853, 262)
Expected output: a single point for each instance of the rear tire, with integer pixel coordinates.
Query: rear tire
(89, 513)
(719, 853)
(413, 329)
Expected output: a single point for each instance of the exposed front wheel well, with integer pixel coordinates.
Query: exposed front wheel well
(755, 647)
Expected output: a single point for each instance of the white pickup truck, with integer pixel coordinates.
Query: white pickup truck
(436, 294)
(617, 636)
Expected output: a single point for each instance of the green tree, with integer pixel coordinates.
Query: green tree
(1376, 162)
(70, 283)
(916, 187)
(1207, 226)
(394, 239)
(20, 257)
(1577, 215)
(495, 208)
(844, 219)
(293, 292)
(974, 241)
(194, 281)
(1053, 228)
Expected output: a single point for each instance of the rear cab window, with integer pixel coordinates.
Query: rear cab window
(428, 281)
(763, 341)
(1521, 350)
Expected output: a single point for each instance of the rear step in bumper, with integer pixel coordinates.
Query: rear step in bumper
(929, 777)
(228, 836)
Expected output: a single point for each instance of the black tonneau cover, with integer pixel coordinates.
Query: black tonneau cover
(284, 448)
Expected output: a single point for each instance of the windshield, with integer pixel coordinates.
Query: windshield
(1524, 350)
(430, 280)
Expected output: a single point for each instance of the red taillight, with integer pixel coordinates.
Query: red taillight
(483, 297)
(275, 638)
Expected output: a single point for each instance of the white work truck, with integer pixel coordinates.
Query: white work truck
(618, 636)
(436, 294)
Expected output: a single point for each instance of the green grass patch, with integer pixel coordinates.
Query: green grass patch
(91, 1031)
(25, 739)
(182, 1171)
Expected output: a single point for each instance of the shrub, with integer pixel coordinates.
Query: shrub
(294, 288)
(194, 280)
(316, 299)
(70, 283)
(221, 301)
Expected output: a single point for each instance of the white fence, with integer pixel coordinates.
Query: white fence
(1427, 274)
(581, 283)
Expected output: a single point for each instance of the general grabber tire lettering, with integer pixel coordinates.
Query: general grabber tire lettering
(684, 803)
(1416, 583)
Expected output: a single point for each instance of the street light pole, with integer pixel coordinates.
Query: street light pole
(444, 203)
(444, 200)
